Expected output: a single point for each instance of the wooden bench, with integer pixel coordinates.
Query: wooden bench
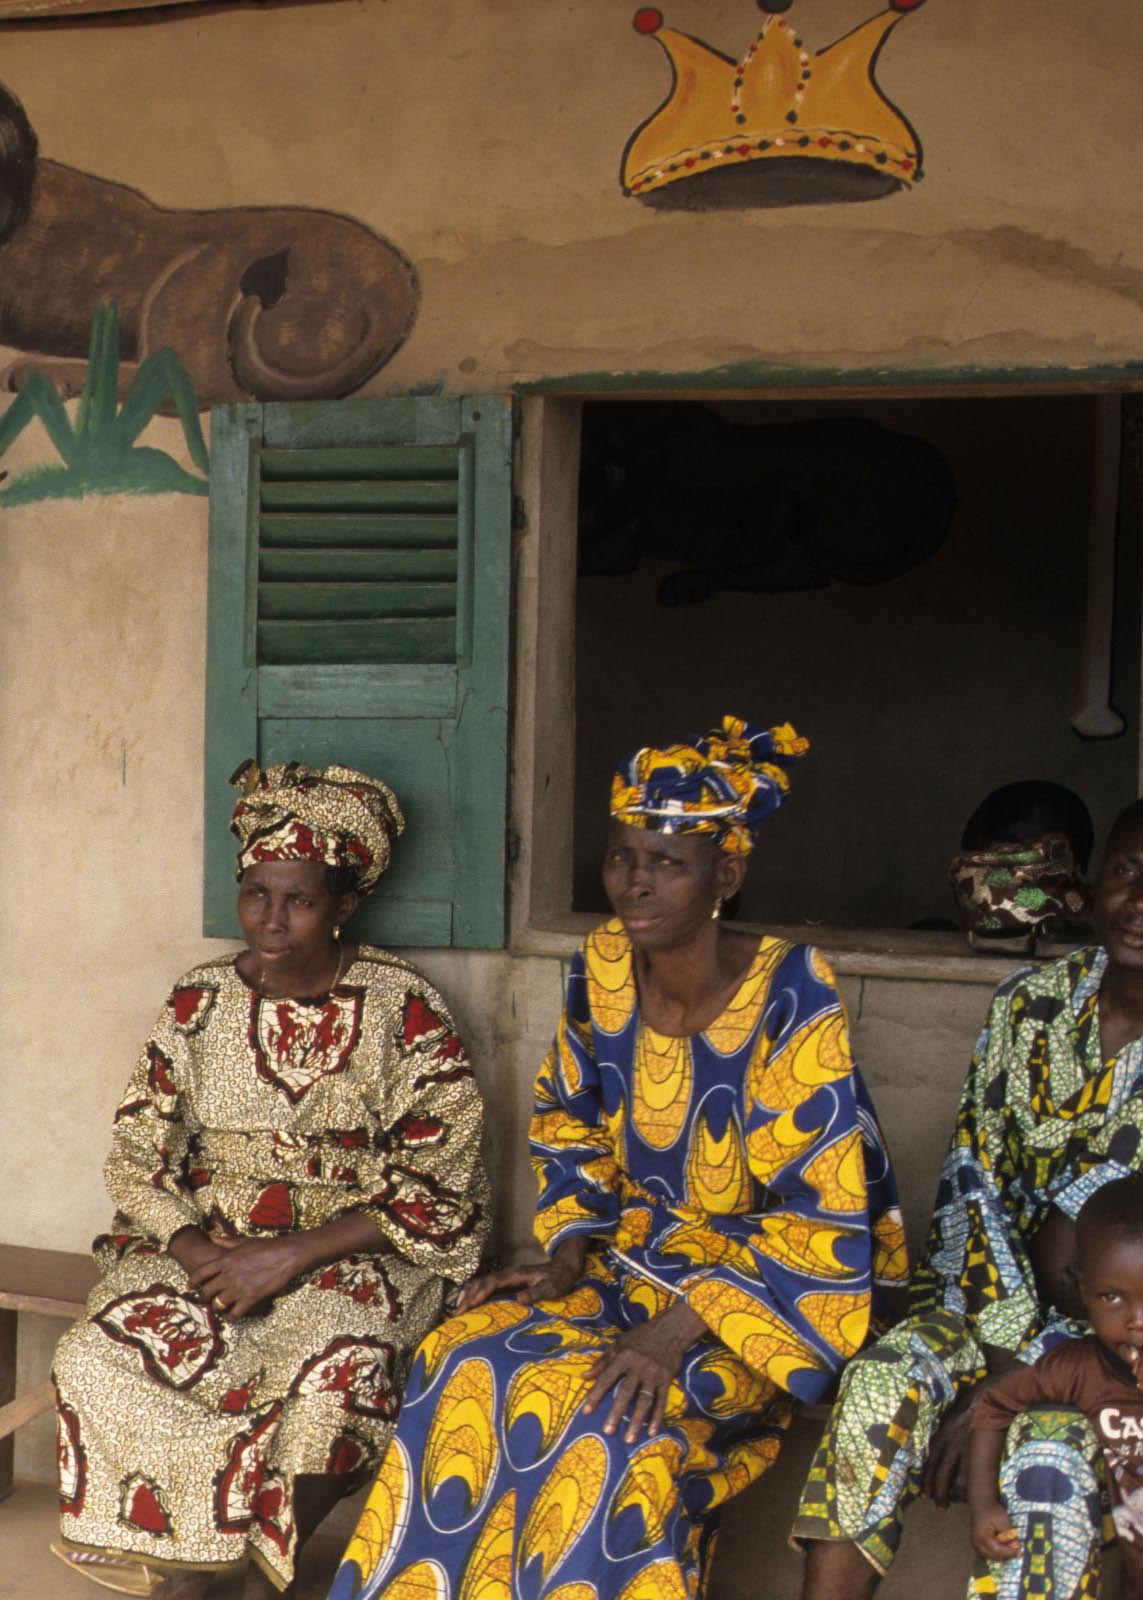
(52, 1283)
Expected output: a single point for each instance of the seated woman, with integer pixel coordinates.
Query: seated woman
(296, 1168)
(715, 1201)
(1052, 1109)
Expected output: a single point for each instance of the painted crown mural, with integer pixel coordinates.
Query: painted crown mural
(780, 126)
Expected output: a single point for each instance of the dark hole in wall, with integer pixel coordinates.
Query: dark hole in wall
(903, 579)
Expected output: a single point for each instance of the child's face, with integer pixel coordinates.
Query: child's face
(1111, 1275)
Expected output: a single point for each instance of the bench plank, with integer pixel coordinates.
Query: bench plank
(54, 1283)
(33, 1404)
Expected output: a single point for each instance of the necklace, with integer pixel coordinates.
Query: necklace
(341, 955)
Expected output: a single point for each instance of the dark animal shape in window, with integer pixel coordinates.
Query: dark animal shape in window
(264, 303)
(756, 506)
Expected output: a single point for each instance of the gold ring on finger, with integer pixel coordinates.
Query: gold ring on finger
(218, 1303)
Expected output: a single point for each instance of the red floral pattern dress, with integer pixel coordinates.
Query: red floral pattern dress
(180, 1435)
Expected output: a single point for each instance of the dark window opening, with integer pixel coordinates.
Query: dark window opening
(905, 580)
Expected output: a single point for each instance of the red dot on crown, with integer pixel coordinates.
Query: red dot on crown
(905, 5)
(648, 19)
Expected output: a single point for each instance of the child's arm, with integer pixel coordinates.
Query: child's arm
(993, 1535)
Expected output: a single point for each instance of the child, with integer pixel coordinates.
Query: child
(1098, 1375)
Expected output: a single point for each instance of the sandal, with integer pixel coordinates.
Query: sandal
(110, 1572)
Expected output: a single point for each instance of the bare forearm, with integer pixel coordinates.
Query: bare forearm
(984, 1452)
(354, 1234)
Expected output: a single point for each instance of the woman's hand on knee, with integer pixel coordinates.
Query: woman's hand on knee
(993, 1535)
(637, 1370)
(545, 1280)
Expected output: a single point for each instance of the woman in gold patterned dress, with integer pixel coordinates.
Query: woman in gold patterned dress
(716, 1205)
(296, 1170)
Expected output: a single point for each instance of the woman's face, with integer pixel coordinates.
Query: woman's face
(663, 886)
(288, 915)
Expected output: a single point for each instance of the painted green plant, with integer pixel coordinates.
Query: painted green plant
(98, 450)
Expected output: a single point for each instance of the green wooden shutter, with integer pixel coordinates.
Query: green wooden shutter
(359, 612)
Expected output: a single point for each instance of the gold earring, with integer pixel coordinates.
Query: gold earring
(337, 930)
(717, 912)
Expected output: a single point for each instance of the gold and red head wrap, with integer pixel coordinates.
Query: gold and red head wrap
(722, 784)
(329, 814)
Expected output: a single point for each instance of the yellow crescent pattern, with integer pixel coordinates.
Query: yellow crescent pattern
(424, 1580)
(729, 1032)
(583, 1301)
(566, 1334)
(488, 1571)
(610, 983)
(649, 1484)
(696, 1431)
(816, 1053)
(838, 1174)
(565, 1501)
(777, 1143)
(809, 1247)
(661, 1082)
(744, 1464)
(718, 1178)
(568, 1065)
(461, 1441)
(578, 1589)
(450, 1335)
(382, 1523)
(842, 1319)
(752, 1331)
(602, 1172)
(662, 1580)
(821, 969)
(890, 1250)
(742, 1390)
(706, 1247)
(550, 1391)
(634, 1227)
(550, 1220)
(555, 1130)
(641, 1292)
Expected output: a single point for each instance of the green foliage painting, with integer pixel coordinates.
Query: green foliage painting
(98, 450)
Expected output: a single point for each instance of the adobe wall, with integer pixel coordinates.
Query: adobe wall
(485, 140)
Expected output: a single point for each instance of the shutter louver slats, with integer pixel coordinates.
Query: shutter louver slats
(357, 555)
(360, 567)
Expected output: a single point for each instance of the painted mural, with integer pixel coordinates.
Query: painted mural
(257, 302)
(98, 453)
(777, 127)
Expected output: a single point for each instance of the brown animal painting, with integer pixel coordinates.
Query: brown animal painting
(264, 303)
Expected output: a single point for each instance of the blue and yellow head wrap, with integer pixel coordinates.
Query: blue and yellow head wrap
(722, 784)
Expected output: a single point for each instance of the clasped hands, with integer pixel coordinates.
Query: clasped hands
(235, 1276)
(636, 1370)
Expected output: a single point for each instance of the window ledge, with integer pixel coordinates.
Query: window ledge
(852, 952)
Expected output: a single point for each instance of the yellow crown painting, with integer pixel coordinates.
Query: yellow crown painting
(780, 126)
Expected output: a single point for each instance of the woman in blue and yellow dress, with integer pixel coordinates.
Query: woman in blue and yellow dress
(716, 1205)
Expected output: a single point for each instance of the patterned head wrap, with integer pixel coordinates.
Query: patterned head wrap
(722, 784)
(1028, 889)
(329, 814)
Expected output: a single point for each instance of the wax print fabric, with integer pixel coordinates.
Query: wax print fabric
(722, 784)
(1043, 1122)
(180, 1434)
(329, 814)
(1034, 888)
(741, 1169)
